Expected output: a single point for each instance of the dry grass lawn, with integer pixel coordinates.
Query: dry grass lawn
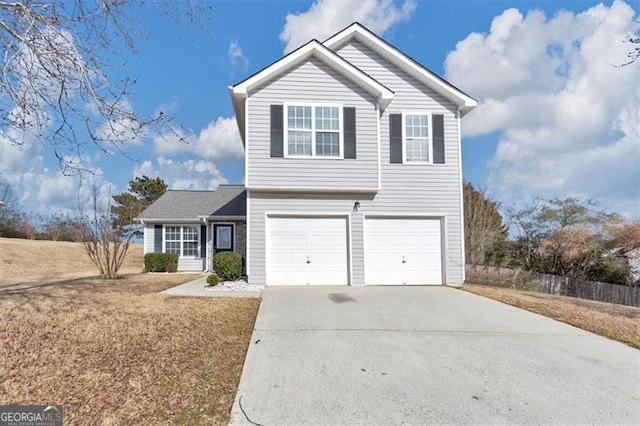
(616, 322)
(116, 352)
(29, 260)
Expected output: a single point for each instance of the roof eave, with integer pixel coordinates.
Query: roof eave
(238, 100)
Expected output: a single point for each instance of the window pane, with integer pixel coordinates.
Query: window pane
(327, 144)
(223, 237)
(190, 248)
(327, 118)
(417, 149)
(172, 247)
(417, 126)
(417, 137)
(190, 233)
(299, 143)
(172, 233)
(299, 117)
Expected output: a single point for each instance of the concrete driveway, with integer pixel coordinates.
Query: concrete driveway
(418, 355)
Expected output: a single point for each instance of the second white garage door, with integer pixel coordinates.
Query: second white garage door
(307, 251)
(403, 251)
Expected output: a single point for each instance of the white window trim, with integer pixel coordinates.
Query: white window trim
(404, 137)
(313, 106)
(181, 226)
(215, 236)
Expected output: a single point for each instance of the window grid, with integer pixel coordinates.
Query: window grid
(313, 131)
(181, 240)
(416, 137)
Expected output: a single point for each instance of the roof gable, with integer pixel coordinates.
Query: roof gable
(314, 48)
(358, 32)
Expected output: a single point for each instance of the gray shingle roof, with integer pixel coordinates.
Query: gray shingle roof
(227, 200)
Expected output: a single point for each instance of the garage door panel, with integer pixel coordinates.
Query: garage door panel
(410, 253)
(314, 251)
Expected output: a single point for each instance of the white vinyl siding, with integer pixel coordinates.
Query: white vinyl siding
(311, 83)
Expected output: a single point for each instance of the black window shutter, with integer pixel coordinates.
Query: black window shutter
(437, 121)
(203, 241)
(157, 238)
(277, 134)
(349, 136)
(395, 138)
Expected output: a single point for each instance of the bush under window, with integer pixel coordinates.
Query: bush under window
(161, 262)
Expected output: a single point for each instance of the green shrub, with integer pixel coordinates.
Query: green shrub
(213, 280)
(161, 262)
(611, 271)
(228, 265)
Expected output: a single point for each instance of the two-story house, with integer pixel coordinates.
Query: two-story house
(353, 173)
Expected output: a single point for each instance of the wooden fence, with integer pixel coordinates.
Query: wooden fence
(554, 284)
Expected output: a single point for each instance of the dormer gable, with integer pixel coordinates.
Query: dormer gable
(313, 49)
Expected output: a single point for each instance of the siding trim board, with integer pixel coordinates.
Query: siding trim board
(320, 189)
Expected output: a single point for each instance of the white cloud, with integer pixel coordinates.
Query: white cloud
(567, 118)
(40, 189)
(239, 62)
(16, 149)
(326, 17)
(220, 140)
(189, 174)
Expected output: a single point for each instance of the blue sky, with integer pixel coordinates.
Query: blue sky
(556, 118)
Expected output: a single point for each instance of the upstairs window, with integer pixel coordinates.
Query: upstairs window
(417, 142)
(313, 131)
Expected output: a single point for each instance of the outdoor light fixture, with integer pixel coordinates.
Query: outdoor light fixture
(356, 206)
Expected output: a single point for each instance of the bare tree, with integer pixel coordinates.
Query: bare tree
(483, 229)
(58, 86)
(9, 212)
(634, 52)
(105, 242)
(572, 250)
(28, 225)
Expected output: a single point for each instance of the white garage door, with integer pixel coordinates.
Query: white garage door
(307, 251)
(403, 251)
